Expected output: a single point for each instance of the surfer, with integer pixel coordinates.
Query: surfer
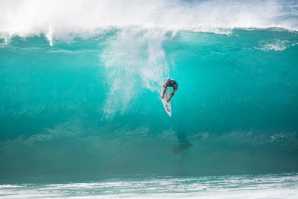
(170, 83)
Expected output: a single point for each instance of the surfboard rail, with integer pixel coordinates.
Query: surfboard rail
(166, 105)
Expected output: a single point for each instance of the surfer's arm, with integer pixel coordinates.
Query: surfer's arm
(172, 93)
(170, 97)
(174, 90)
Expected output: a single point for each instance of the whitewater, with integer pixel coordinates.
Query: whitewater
(80, 108)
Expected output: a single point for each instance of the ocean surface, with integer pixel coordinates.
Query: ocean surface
(80, 108)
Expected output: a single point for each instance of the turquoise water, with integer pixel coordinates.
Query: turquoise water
(80, 97)
(84, 105)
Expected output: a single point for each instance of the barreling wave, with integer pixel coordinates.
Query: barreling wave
(89, 104)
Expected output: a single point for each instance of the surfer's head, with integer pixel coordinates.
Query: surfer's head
(168, 81)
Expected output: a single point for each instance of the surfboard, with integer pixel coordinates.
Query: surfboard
(166, 105)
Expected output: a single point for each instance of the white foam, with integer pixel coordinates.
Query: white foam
(275, 45)
(60, 19)
(267, 186)
(132, 63)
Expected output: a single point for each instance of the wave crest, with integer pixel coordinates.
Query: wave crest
(64, 19)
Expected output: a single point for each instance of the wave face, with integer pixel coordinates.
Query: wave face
(80, 89)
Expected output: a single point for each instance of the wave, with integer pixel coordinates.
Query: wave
(67, 19)
(91, 106)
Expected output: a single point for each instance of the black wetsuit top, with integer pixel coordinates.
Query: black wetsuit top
(173, 84)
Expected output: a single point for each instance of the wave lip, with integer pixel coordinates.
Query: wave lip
(60, 19)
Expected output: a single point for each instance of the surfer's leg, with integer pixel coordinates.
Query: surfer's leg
(163, 93)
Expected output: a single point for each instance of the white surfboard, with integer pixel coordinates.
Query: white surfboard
(166, 105)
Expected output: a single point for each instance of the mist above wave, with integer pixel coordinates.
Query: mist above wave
(62, 19)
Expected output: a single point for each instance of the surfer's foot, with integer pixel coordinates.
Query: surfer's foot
(168, 100)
